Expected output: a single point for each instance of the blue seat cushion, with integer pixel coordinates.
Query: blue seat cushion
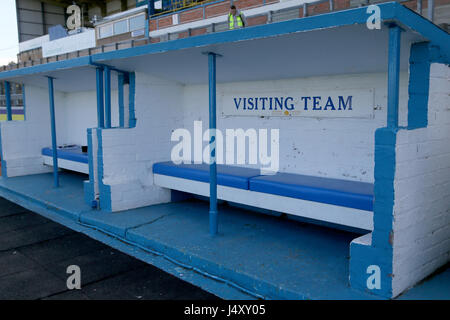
(230, 176)
(68, 153)
(352, 194)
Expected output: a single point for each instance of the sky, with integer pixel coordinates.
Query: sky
(9, 42)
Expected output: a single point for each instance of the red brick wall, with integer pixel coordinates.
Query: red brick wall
(253, 21)
(199, 31)
(244, 4)
(217, 9)
(191, 15)
(165, 22)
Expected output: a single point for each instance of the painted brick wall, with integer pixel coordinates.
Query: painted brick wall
(78, 112)
(422, 190)
(22, 141)
(128, 154)
(338, 148)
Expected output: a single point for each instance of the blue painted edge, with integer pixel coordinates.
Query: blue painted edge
(213, 214)
(88, 186)
(380, 251)
(104, 190)
(100, 97)
(51, 98)
(418, 87)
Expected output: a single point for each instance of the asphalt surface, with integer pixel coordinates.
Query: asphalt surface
(35, 253)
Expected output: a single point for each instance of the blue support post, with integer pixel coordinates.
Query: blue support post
(100, 99)
(213, 222)
(393, 75)
(51, 99)
(121, 82)
(8, 100)
(107, 97)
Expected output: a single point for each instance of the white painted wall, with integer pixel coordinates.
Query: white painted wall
(128, 154)
(78, 112)
(337, 148)
(422, 190)
(79, 41)
(22, 141)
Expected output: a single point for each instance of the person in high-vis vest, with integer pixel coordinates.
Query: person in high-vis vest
(236, 19)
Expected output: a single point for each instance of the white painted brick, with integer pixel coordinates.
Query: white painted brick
(422, 191)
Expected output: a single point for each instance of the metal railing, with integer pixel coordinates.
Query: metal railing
(170, 6)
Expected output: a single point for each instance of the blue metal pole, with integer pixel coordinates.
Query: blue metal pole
(121, 82)
(213, 223)
(53, 125)
(393, 75)
(8, 100)
(107, 97)
(100, 99)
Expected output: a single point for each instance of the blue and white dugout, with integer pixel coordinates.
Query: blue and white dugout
(363, 117)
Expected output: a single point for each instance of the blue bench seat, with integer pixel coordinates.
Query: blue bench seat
(68, 153)
(351, 194)
(229, 176)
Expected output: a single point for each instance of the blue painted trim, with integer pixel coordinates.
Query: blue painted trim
(3, 162)
(100, 98)
(24, 103)
(419, 84)
(391, 11)
(393, 75)
(104, 190)
(380, 251)
(132, 91)
(107, 97)
(8, 101)
(147, 28)
(213, 223)
(51, 98)
(435, 35)
(89, 193)
(121, 82)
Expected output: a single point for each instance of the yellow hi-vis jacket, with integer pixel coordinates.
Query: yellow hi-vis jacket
(239, 21)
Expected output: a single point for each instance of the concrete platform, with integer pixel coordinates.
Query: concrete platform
(34, 264)
(254, 255)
